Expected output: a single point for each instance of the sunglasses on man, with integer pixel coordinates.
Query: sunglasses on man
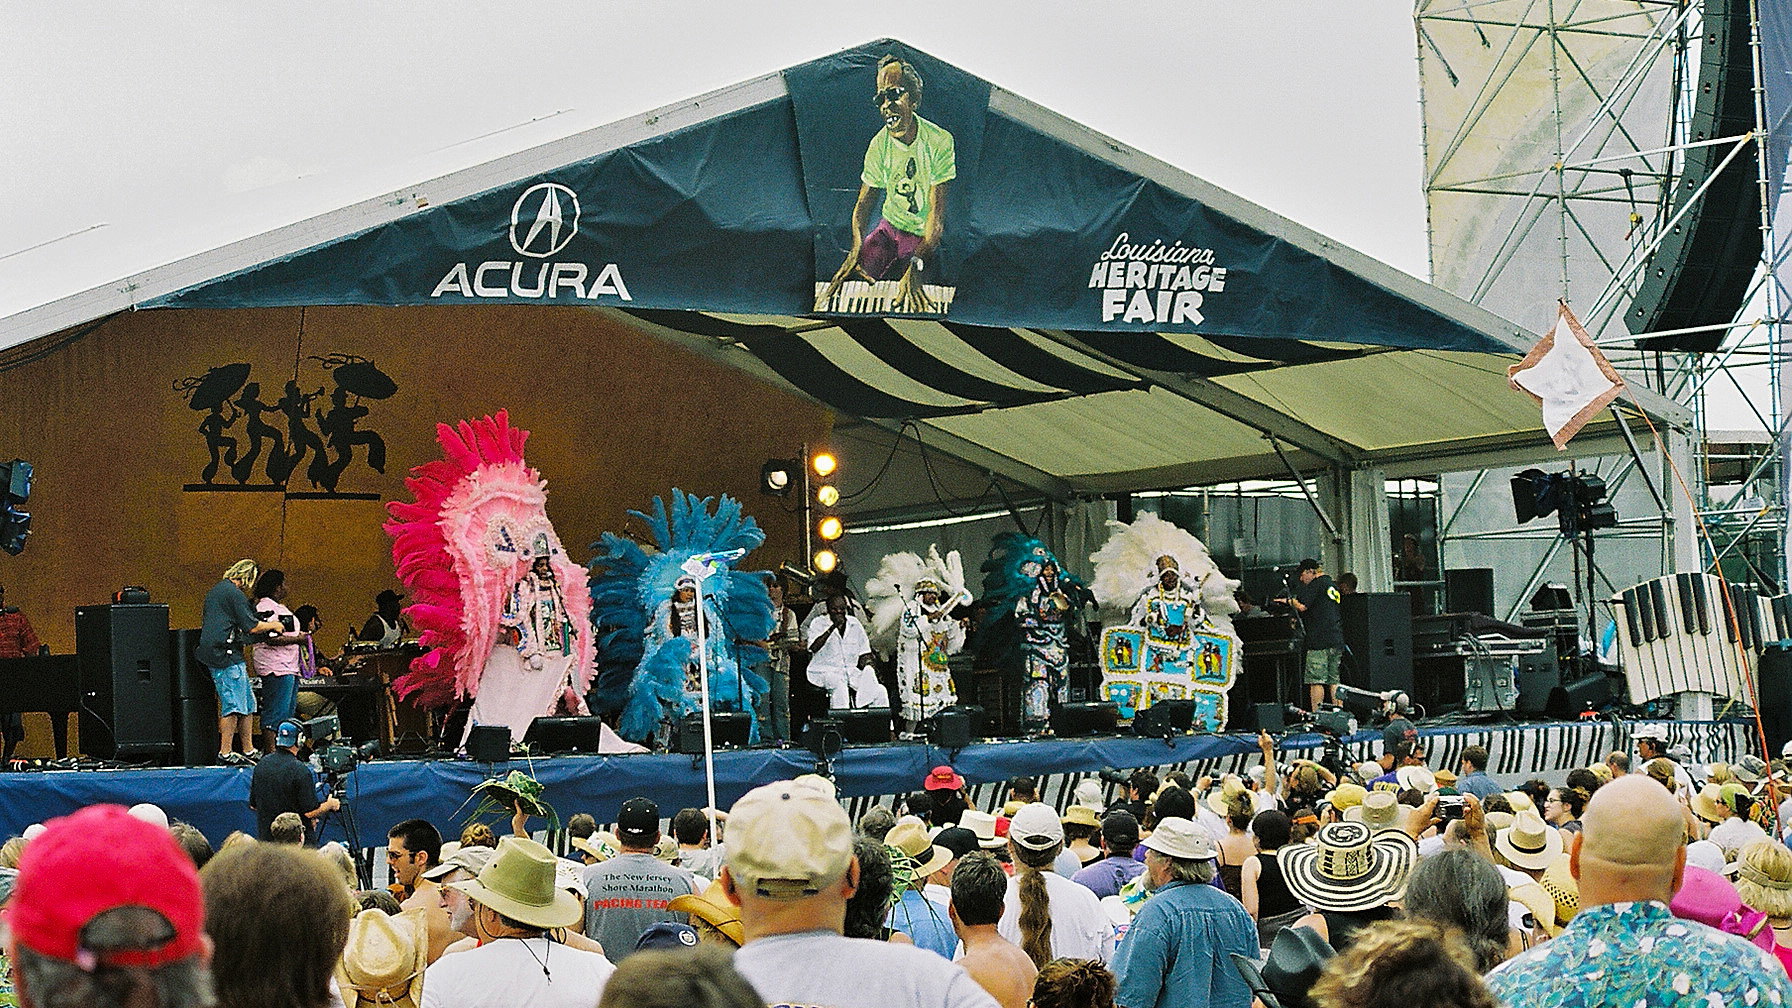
(888, 94)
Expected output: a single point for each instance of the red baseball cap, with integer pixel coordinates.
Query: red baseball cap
(943, 778)
(99, 859)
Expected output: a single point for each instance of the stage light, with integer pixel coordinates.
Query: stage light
(824, 464)
(826, 561)
(829, 529)
(775, 477)
(15, 524)
(828, 495)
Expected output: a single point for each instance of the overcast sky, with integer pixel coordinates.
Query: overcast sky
(153, 131)
(124, 113)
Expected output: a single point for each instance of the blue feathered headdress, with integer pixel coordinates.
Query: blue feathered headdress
(1005, 582)
(630, 581)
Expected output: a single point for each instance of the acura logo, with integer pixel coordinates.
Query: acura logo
(544, 219)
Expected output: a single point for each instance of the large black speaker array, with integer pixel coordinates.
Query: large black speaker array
(195, 701)
(127, 689)
(1699, 274)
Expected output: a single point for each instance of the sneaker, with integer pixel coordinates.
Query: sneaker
(253, 756)
(235, 759)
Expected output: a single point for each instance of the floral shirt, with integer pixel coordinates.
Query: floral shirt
(1638, 955)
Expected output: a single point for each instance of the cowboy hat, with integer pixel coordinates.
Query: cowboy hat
(1348, 867)
(383, 962)
(911, 838)
(1529, 842)
(1296, 957)
(519, 883)
(713, 909)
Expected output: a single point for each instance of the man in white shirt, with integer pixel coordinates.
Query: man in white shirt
(517, 964)
(840, 658)
(1080, 928)
(1652, 743)
(790, 869)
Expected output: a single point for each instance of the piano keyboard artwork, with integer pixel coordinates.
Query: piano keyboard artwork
(856, 297)
(1676, 636)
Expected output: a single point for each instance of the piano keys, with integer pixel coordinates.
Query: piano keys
(1692, 633)
(882, 297)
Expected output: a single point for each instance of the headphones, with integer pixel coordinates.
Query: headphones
(298, 730)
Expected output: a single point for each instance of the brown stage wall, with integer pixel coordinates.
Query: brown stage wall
(615, 417)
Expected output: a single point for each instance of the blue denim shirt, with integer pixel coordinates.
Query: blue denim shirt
(1177, 952)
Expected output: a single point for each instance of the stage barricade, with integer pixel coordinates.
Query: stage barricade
(383, 792)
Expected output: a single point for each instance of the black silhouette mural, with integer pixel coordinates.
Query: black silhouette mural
(323, 429)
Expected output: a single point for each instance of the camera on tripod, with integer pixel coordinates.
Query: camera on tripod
(335, 757)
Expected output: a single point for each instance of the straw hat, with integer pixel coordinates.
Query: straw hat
(1705, 804)
(1368, 770)
(1230, 785)
(1348, 867)
(383, 962)
(1081, 815)
(1529, 842)
(1445, 777)
(910, 837)
(1520, 802)
(1763, 879)
(1601, 771)
(1345, 795)
(1539, 902)
(1379, 811)
(600, 845)
(519, 883)
(713, 909)
(1562, 887)
(1497, 821)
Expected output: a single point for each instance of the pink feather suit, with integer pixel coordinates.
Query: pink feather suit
(505, 612)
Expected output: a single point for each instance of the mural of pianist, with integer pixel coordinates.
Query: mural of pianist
(907, 166)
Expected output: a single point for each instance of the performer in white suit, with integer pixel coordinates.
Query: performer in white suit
(926, 637)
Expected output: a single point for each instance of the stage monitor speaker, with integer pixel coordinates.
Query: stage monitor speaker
(127, 687)
(1078, 719)
(822, 737)
(1570, 700)
(865, 725)
(489, 744)
(1164, 719)
(1538, 677)
(1378, 638)
(1700, 272)
(195, 701)
(727, 730)
(1259, 717)
(1469, 590)
(565, 734)
(955, 727)
(1774, 676)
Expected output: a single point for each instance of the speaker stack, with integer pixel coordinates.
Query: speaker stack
(1378, 639)
(1700, 272)
(195, 701)
(127, 688)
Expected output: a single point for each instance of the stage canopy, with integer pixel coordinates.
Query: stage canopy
(1083, 319)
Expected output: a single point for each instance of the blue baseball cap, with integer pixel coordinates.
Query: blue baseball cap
(287, 734)
(667, 935)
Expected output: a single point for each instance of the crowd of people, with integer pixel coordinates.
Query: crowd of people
(1393, 884)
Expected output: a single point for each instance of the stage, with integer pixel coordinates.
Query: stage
(382, 792)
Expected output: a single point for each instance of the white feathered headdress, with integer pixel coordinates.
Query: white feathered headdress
(1127, 564)
(890, 588)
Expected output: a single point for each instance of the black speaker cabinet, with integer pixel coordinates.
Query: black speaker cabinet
(1469, 590)
(1378, 641)
(727, 730)
(1774, 675)
(564, 734)
(1076, 719)
(1259, 717)
(1700, 273)
(195, 701)
(489, 744)
(865, 725)
(1164, 719)
(127, 686)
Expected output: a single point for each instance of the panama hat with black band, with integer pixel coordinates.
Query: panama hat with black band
(1349, 867)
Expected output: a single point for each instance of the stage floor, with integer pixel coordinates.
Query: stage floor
(383, 792)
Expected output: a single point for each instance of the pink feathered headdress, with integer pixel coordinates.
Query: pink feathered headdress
(474, 530)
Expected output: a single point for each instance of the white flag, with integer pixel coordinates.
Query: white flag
(1568, 377)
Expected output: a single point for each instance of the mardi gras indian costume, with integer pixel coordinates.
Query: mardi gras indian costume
(1032, 604)
(1177, 642)
(502, 608)
(911, 601)
(644, 601)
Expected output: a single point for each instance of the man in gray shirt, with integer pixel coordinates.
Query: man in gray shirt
(629, 892)
(790, 869)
